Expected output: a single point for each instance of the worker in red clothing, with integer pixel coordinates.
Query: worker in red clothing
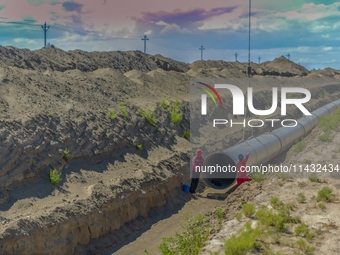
(241, 169)
(197, 161)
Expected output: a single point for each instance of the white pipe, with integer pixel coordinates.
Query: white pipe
(262, 148)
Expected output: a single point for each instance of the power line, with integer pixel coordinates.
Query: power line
(45, 28)
(145, 38)
(202, 49)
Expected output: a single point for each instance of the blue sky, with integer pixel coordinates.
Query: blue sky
(308, 30)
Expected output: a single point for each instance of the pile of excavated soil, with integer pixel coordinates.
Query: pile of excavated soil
(322, 218)
(52, 100)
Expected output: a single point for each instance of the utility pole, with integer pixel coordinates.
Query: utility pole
(249, 68)
(45, 28)
(259, 58)
(235, 56)
(288, 55)
(145, 39)
(202, 49)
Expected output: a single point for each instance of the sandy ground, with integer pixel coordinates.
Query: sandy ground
(51, 100)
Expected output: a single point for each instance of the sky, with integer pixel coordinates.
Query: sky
(308, 30)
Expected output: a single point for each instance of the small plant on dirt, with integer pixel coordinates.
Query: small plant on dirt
(307, 161)
(66, 155)
(301, 229)
(175, 116)
(248, 209)
(239, 216)
(196, 233)
(325, 194)
(301, 198)
(175, 141)
(310, 236)
(330, 122)
(139, 146)
(326, 137)
(175, 105)
(283, 176)
(334, 156)
(55, 176)
(322, 206)
(122, 110)
(148, 115)
(258, 176)
(146, 252)
(187, 134)
(314, 178)
(111, 115)
(275, 202)
(305, 247)
(164, 103)
(298, 147)
(220, 214)
(245, 242)
(50, 113)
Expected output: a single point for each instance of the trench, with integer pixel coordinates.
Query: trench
(127, 210)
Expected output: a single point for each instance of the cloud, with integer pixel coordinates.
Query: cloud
(29, 19)
(72, 7)
(149, 32)
(24, 41)
(327, 48)
(180, 19)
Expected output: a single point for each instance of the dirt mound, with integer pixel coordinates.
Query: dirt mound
(55, 59)
(283, 67)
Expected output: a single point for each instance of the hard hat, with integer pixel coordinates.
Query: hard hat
(240, 156)
(199, 152)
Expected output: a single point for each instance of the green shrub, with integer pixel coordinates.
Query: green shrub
(164, 103)
(298, 147)
(330, 122)
(220, 214)
(186, 134)
(301, 229)
(270, 219)
(248, 209)
(175, 105)
(322, 206)
(196, 233)
(258, 176)
(111, 115)
(326, 137)
(175, 116)
(314, 178)
(148, 115)
(122, 110)
(301, 198)
(239, 216)
(325, 194)
(307, 161)
(275, 202)
(243, 243)
(139, 146)
(55, 176)
(305, 247)
(66, 155)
